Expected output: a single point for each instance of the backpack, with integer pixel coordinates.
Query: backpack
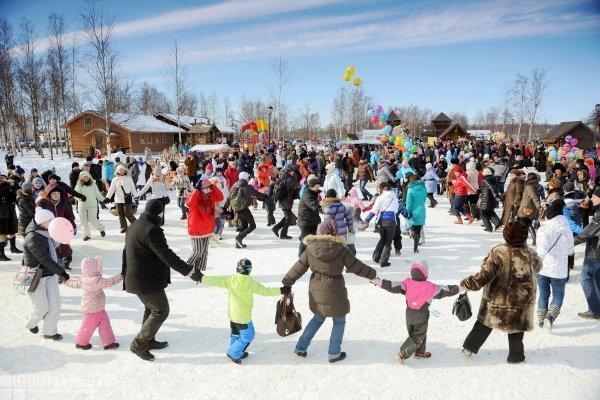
(237, 199)
(278, 190)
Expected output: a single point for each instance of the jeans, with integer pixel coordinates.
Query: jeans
(590, 282)
(240, 338)
(181, 204)
(363, 189)
(156, 312)
(458, 205)
(219, 225)
(335, 340)
(304, 232)
(558, 290)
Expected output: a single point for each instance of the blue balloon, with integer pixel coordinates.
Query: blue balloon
(554, 154)
(383, 117)
(387, 129)
(371, 112)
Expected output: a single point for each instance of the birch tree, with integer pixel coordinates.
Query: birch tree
(538, 87)
(282, 75)
(176, 75)
(520, 95)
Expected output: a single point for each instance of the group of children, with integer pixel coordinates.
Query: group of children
(241, 289)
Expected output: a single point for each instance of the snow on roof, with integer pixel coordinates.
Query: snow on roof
(187, 121)
(143, 123)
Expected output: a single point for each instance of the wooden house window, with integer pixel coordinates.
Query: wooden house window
(87, 121)
(142, 138)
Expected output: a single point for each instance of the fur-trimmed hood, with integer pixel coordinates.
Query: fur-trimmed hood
(325, 247)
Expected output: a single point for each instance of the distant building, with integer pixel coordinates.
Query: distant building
(480, 133)
(441, 123)
(198, 132)
(454, 133)
(586, 137)
(130, 132)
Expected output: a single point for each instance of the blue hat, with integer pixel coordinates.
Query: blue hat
(244, 266)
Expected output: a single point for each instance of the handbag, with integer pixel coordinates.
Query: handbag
(528, 212)
(27, 279)
(128, 196)
(462, 307)
(287, 319)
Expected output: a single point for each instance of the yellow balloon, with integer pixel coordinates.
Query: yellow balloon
(400, 138)
(347, 77)
(357, 81)
(350, 70)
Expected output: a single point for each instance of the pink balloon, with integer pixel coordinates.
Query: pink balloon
(574, 142)
(61, 230)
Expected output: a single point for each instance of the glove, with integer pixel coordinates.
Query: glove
(65, 276)
(83, 198)
(461, 289)
(376, 282)
(136, 198)
(285, 290)
(197, 276)
(106, 200)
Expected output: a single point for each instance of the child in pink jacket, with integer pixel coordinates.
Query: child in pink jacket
(419, 293)
(356, 202)
(93, 304)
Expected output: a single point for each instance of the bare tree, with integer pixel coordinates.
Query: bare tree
(212, 103)
(339, 112)
(8, 115)
(175, 75)
(282, 74)
(538, 85)
(102, 59)
(492, 115)
(308, 121)
(461, 118)
(505, 112)
(31, 78)
(415, 117)
(520, 96)
(227, 111)
(189, 104)
(150, 101)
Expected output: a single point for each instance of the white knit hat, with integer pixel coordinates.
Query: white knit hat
(244, 175)
(42, 215)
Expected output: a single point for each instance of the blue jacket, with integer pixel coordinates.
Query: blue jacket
(431, 179)
(401, 174)
(374, 157)
(572, 201)
(415, 202)
(575, 228)
(108, 170)
(335, 210)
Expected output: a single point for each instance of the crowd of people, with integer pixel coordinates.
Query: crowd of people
(222, 190)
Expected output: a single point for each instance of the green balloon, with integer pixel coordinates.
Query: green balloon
(392, 139)
(415, 148)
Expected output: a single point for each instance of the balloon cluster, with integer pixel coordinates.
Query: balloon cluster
(568, 149)
(348, 76)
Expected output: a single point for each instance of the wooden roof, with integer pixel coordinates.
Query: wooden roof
(441, 118)
(392, 117)
(564, 128)
(202, 128)
(455, 127)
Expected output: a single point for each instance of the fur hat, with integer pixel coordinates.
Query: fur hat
(42, 215)
(515, 233)
(328, 227)
(554, 183)
(244, 266)
(154, 206)
(27, 187)
(244, 176)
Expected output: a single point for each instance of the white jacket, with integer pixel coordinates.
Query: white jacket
(333, 181)
(160, 188)
(221, 184)
(555, 260)
(119, 182)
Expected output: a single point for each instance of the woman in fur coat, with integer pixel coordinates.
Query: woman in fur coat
(507, 277)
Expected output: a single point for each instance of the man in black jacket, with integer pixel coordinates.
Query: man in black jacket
(308, 211)
(147, 260)
(289, 188)
(239, 201)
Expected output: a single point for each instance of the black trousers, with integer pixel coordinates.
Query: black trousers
(283, 225)
(397, 236)
(156, 312)
(480, 333)
(490, 219)
(246, 220)
(381, 254)
(304, 232)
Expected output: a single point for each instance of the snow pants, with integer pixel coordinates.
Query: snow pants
(417, 322)
(90, 322)
(240, 338)
(89, 216)
(45, 301)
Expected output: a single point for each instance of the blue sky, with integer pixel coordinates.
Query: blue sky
(445, 55)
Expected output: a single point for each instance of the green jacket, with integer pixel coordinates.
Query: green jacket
(241, 290)
(91, 192)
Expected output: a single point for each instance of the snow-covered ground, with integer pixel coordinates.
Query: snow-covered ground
(561, 365)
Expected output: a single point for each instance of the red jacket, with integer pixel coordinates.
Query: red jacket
(461, 186)
(201, 212)
(232, 176)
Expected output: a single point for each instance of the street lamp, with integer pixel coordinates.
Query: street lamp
(269, 112)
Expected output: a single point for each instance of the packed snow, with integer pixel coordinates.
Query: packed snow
(562, 365)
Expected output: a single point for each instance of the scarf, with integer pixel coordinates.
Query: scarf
(52, 244)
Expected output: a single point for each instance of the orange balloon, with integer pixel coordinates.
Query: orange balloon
(382, 123)
(384, 138)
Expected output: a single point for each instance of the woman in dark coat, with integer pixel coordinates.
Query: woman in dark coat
(26, 206)
(326, 256)
(56, 201)
(512, 196)
(507, 277)
(488, 202)
(8, 216)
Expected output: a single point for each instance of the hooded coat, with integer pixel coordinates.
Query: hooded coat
(26, 206)
(507, 277)
(333, 181)
(309, 208)
(530, 199)
(93, 284)
(335, 210)
(36, 250)
(415, 202)
(8, 200)
(488, 195)
(512, 198)
(201, 212)
(431, 179)
(326, 256)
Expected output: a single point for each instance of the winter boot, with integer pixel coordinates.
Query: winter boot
(2, 255)
(470, 218)
(13, 246)
(542, 312)
(416, 239)
(458, 220)
(553, 312)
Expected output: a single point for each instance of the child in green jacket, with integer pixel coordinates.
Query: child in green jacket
(241, 289)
